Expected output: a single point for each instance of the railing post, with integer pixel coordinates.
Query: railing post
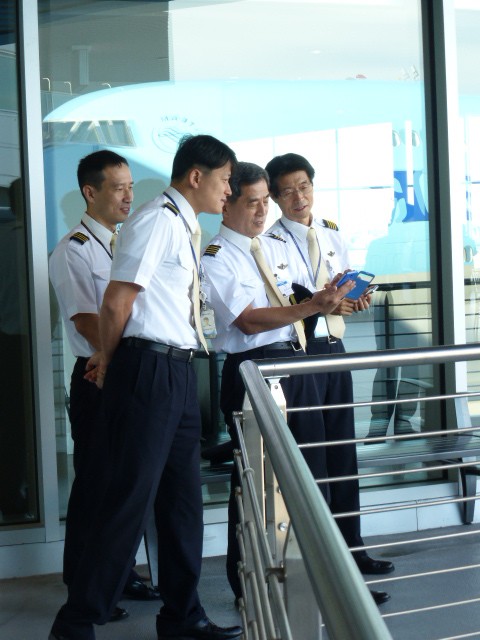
(254, 445)
(277, 517)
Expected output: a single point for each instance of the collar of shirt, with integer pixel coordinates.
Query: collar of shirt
(101, 232)
(185, 207)
(239, 240)
(299, 230)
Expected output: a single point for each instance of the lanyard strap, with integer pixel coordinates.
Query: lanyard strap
(187, 229)
(313, 276)
(110, 255)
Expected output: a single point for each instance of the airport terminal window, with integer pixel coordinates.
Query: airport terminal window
(467, 18)
(18, 472)
(347, 94)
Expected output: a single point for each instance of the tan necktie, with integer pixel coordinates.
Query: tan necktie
(196, 241)
(335, 324)
(273, 293)
(113, 241)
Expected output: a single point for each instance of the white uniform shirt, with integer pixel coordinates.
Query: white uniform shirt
(232, 282)
(154, 251)
(79, 272)
(333, 249)
(333, 252)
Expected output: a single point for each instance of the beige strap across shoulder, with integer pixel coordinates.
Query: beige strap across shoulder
(274, 295)
(335, 324)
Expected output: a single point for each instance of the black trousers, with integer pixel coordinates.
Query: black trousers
(90, 462)
(338, 424)
(153, 430)
(323, 462)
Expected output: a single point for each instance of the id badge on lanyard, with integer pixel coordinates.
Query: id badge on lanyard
(207, 314)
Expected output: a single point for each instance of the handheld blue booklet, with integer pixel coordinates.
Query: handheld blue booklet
(361, 278)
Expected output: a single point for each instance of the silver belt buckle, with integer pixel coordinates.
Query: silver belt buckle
(331, 339)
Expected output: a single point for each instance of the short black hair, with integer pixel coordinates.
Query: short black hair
(203, 151)
(90, 168)
(245, 173)
(288, 163)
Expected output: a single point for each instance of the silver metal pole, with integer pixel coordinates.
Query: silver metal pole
(346, 605)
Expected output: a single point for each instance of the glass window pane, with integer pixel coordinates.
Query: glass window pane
(467, 17)
(348, 94)
(18, 472)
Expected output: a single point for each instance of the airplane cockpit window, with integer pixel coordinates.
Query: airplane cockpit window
(108, 132)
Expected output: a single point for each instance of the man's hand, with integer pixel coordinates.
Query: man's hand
(328, 299)
(345, 308)
(96, 369)
(363, 303)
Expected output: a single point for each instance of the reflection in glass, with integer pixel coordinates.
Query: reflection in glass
(347, 94)
(18, 490)
(468, 48)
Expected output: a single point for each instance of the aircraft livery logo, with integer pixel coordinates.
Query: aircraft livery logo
(171, 129)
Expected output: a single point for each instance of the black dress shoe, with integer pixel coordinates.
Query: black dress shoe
(371, 566)
(118, 614)
(138, 590)
(220, 453)
(204, 629)
(380, 596)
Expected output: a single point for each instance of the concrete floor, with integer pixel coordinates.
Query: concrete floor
(28, 605)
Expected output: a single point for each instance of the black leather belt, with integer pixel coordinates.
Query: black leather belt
(280, 346)
(329, 339)
(262, 352)
(186, 355)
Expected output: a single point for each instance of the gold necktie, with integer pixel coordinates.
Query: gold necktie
(335, 324)
(273, 293)
(196, 241)
(113, 241)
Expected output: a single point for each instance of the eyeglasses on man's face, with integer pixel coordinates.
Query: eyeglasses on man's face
(303, 189)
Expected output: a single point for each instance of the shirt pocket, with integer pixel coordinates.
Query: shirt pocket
(180, 268)
(101, 274)
(253, 290)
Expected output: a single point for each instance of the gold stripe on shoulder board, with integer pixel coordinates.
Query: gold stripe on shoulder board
(212, 250)
(80, 237)
(169, 205)
(330, 225)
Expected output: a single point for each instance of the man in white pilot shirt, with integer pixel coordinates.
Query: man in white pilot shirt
(248, 327)
(291, 188)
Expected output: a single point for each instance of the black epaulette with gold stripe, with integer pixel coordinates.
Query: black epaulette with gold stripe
(212, 250)
(171, 207)
(80, 237)
(275, 237)
(330, 225)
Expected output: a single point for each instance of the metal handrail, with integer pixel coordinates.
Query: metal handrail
(346, 605)
(367, 360)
